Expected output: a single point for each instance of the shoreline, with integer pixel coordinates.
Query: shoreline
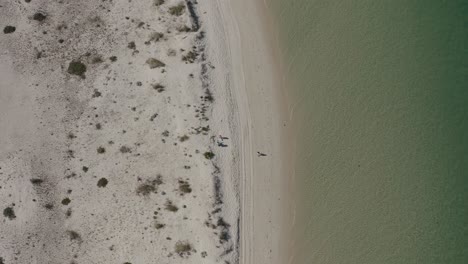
(264, 125)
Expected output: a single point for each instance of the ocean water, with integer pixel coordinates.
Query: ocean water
(380, 99)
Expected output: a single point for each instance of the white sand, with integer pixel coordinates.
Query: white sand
(61, 134)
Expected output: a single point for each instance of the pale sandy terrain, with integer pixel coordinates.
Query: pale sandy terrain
(122, 162)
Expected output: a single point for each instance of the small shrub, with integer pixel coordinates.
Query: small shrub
(183, 248)
(9, 213)
(76, 68)
(39, 17)
(209, 155)
(102, 183)
(125, 149)
(190, 57)
(158, 87)
(150, 186)
(36, 181)
(156, 36)
(159, 225)
(177, 10)
(184, 28)
(171, 207)
(184, 187)
(96, 93)
(113, 58)
(96, 59)
(66, 201)
(9, 29)
(155, 63)
(74, 235)
(158, 2)
(101, 150)
(184, 138)
(49, 206)
(131, 45)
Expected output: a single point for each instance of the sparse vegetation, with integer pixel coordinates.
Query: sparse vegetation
(39, 16)
(9, 213)
(177, 10)
(9, 29)
(184, 138)
(36, 181)
(102, 183)
(101, 150)
(155, 63)
(66, 201)
(76, 68)
(74, 235)
(158, 2)
(209, 155)
(155, 36)
(159, 225)
(96, 93)
(158, 87)
(131, 45)
(190, 57)
(125, 149)
(171, 207)
(183, 248)
(150, 186)
(184, 187)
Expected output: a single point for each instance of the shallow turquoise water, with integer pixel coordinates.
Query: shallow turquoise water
(381, 106)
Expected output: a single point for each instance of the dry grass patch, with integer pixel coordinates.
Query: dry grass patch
(184, 187)
(183, 248)
(171, 207)
(177, 10)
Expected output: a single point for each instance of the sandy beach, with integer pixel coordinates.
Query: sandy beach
(130, 133)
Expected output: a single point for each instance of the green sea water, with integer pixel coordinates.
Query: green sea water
(381, 111)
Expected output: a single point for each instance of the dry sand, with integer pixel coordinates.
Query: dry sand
(122, 161)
